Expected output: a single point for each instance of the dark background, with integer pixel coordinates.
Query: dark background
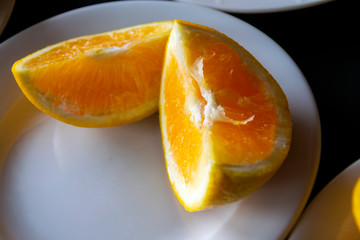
(323, 40)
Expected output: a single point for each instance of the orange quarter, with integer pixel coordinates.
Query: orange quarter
(225, 121)
(99, 80)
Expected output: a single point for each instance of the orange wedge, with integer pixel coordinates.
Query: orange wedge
(225, 121)
(99, 80)
(356, 203)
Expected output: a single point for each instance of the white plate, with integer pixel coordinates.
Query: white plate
(6, 7)
(63, 182)
(329, 215)
(256, 6)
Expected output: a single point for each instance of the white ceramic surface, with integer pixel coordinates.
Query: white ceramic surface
(63, 182)
(329, 215)
(256, 6)
(6, 7)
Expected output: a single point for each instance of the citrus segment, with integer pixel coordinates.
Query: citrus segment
(356, 203)
(98, 80)
(225, 121)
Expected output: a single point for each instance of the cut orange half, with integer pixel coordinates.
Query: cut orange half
(225, 121)
(99, 80)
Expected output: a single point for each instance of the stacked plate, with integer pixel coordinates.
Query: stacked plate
(256, 6)
(6, 7)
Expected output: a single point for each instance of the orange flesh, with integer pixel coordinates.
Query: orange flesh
(188, 138)
(101, 85)
(238, 90)
(111, 39)
(242, 95)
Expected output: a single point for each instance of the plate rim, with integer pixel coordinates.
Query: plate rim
(257, 9)
(9, 4)
(308, 211)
